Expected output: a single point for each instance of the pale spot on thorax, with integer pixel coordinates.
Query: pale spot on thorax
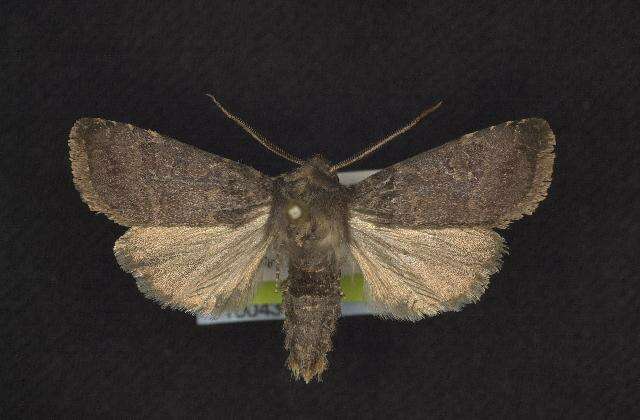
(294, 212)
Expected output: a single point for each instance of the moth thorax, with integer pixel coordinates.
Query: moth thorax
(296, 211)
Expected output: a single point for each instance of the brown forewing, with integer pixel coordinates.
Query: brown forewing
(138, 177)
(487, 178)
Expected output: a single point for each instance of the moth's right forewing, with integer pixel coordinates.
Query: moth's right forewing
(138, 177)
(487, 178)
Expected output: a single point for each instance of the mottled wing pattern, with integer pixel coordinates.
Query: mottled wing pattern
(421, 229)
(487, 178)
(138, 177)
(204, 269)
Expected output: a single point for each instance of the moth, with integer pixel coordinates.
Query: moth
(422, 230)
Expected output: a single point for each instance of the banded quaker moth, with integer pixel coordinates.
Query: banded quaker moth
(421, 230)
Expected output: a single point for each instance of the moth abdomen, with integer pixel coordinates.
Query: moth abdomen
(311, 304)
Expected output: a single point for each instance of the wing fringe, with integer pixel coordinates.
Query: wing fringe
(541, 178)
(82, 172)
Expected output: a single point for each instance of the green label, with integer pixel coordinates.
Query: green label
(352, 288)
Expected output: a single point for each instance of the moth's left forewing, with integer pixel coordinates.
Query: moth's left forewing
(421, 230)
(138, 177)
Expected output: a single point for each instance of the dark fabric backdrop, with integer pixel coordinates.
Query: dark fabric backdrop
(555, 334)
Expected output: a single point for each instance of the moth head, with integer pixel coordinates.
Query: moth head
(314, 172)
(319, 167)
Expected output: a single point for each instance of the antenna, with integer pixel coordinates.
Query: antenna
(257, 136)
(378, 144)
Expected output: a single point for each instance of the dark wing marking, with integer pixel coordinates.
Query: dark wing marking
(139, 177)
(487, 178)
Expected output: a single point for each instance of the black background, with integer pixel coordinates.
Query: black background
(555, 334)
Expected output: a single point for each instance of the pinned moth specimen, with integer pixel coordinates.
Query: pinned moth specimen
(420, 230)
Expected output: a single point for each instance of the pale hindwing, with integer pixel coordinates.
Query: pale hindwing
(412, 273)
(205, 270)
